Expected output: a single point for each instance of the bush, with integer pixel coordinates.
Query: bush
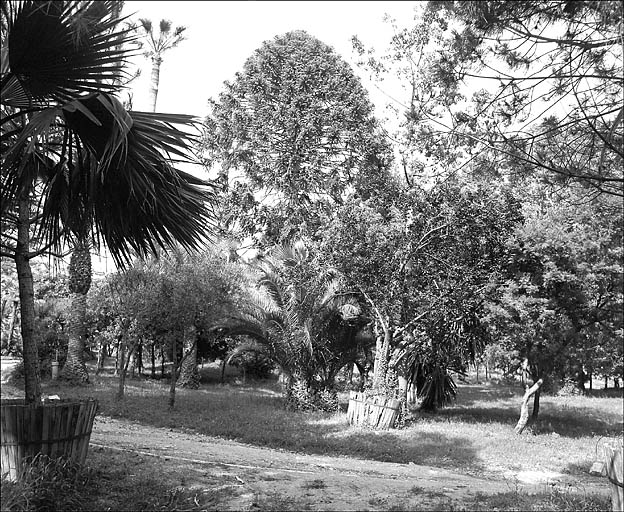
(301, 397)
(254, 365)
(46, 484)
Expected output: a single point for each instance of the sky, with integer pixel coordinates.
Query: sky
(221, 35)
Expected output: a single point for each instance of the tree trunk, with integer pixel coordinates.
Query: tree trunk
(155, 80)
(536, 405)
(223, 361)
(32, 376)
(132, 361)
(174, 373)
(75, 369)
(125, 356)
(139, 358)
(153, 357)
(101, 357)
(162, 362)
(116, 372)
(189, 374)
(524, 408)
(122, 373)
(380, 368)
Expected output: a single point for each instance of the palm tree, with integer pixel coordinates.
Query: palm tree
(300, 321)
(71, 149)
(156, 47)
(80, 276)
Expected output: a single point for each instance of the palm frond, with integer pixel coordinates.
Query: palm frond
(58, 51)
(137, 199)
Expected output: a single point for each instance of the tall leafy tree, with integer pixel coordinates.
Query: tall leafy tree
(553, 104)
(157, 45)
(70, 147)
(288, 136)
(423, 261)
(560, 306)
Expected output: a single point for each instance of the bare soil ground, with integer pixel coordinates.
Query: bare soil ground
(253, 476)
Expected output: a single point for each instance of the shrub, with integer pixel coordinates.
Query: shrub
(301, 397)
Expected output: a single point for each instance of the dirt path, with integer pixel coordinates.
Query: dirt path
(309, 481)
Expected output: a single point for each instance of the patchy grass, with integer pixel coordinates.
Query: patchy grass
(475, 435)
(114, 481)
(555, 499)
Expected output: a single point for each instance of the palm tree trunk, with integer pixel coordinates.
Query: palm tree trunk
(155, 80)
(189, 374)
(75, 369)
(32, 376)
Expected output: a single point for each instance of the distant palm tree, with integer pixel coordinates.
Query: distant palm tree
(156, 47)
(95, 170)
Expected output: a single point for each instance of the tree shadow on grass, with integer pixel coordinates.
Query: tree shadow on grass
(256, 415)
(572, 417)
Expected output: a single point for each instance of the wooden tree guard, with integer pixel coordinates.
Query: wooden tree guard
(377, 412)
(54, 428)
(614, 463)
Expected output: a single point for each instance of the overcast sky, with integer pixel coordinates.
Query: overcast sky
(220, 36)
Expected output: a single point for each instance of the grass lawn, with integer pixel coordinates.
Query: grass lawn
(474, 436)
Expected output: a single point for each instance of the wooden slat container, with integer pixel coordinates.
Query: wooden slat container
(378, 411)
(53, 428)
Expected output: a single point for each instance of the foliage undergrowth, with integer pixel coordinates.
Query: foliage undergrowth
(47, 484)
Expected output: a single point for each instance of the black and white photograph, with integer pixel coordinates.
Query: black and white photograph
(312, 255)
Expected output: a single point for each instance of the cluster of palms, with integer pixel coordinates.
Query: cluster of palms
(303, 321)
(78, 169)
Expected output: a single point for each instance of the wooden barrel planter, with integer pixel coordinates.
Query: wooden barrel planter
(378, 412)
(54, 428)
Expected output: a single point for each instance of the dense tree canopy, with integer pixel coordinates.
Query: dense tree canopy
(424, 263)
(560, 306)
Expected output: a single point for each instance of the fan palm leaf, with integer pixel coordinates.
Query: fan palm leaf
(58, 50)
